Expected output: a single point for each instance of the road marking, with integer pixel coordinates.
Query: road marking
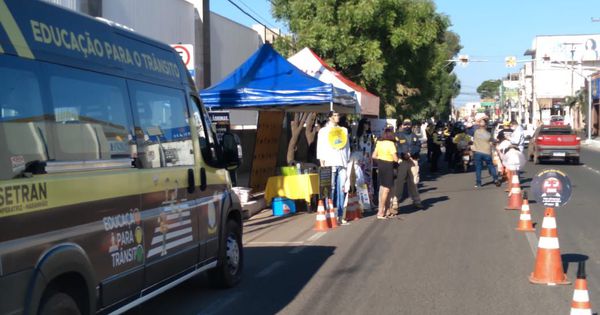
(310, 240)
(297, 249)
(274, 243)
(592, 169)
(315, 237)
(219, 304)
(265, 272)
(532, 240)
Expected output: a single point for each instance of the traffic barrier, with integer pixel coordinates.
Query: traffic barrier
(581, 299)
(548, 266)
(515, 200)
(525, 223)
(321, 222)
(332, 216)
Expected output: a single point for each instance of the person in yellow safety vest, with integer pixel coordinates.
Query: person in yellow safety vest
(462, 141)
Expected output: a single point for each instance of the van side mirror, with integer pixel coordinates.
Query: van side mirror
(231, 151)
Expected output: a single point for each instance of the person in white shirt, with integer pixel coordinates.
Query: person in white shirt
(517, 137)
(333, 149)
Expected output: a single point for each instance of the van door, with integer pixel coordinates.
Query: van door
(165, 157)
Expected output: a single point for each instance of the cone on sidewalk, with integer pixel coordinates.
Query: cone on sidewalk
(525, 223)
(515, 200)
(321, 222)
(548, 265)
(581, 299)
(332, 221)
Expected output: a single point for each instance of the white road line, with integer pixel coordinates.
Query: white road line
(592, 169)
(297, 250)
(265, 272)
(532, 240)
(275, 243)
(315, 237)
(219, 304)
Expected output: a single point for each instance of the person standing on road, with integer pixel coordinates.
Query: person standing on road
(408, 168)
(333, 149)
(437, 141)
(482, 149)
(517, 137)
(429, 131)
(386, 155)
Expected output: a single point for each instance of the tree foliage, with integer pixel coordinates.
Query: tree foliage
(397, 49)
(489, 88)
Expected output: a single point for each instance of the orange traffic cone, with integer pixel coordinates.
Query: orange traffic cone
(508, 175)
(355, 207)
(581, 298)
(332, 216)
(349, 211)
(525, 224)
(515, 201)
(548, 266)
(321, 223)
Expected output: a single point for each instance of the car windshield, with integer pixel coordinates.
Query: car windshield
(557, 131)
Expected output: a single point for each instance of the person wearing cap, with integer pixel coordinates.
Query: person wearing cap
(409, 149)
(386, 156)
(482, 153)
(336, 158)
(517, 137)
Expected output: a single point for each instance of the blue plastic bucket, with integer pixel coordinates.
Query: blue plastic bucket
(283, 206)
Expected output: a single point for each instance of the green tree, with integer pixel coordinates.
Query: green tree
(489, 88)
(394, 48)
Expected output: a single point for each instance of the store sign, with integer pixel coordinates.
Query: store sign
(551, 188)
(325, 182)
(221, 122)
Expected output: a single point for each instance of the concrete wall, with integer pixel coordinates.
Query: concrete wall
(231, 44)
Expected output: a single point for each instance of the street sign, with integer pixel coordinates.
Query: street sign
(552, 188)
(186, 51)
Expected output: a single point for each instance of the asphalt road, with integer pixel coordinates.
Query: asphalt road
(459, 256)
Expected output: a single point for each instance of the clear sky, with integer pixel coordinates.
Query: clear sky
(489, 29)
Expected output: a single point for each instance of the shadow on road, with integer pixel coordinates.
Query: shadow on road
(270, 282)
(572, 258)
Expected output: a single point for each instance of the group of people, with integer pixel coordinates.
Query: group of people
(395, 155)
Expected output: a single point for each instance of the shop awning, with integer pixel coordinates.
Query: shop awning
(307, 61)
(267, 81)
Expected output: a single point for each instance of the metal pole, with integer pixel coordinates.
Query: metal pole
(589, 118)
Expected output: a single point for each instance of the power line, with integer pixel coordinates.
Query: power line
(251, 16)
(256, 13)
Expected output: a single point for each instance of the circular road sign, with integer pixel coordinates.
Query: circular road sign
(184, 52)
(552, 188)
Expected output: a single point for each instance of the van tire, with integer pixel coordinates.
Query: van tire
(228, 272)
(58, 303)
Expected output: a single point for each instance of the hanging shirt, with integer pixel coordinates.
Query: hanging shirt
(327, 153)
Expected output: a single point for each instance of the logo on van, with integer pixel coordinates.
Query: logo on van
(22, 198)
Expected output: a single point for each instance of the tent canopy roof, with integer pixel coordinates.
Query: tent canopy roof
(268, 81)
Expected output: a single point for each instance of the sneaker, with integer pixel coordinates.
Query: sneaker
(381, 217)
(477, 186)
(344, 222)
(498, 183)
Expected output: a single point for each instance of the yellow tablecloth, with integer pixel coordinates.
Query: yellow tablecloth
(292, 187)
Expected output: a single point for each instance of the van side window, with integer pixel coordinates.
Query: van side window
(21, 115)
(90, 119)
(207, 134)
(163, 133)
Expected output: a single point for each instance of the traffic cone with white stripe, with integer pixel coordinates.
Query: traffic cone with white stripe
(525, 224)
(352, 207)
(515, 201)
(548, 265)
(581, 299)
(332, 216)
(321, 223)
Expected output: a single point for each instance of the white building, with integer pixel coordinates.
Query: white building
(560, 65)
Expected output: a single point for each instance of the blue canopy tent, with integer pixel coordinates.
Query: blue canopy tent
(267, 81)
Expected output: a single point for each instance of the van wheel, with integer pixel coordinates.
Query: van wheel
(58, 303)
(231, 259)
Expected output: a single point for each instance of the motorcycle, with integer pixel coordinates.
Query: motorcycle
(466, 159)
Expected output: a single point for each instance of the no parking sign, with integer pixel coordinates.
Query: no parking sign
(552, 188)
(186, 51)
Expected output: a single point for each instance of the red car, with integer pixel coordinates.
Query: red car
(554, 142)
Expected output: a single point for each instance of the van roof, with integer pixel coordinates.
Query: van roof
(46, 32)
